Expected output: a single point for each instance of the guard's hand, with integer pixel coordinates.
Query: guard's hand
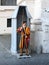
(25, 36)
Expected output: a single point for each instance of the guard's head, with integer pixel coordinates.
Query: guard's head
(24, 24)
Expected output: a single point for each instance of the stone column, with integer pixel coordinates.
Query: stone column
(14, 36)
(38, 26)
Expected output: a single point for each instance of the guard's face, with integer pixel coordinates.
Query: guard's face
(24, 25)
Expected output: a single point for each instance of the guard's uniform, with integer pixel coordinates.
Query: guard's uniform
(25, 38)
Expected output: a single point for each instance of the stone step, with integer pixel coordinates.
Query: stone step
(24, 56)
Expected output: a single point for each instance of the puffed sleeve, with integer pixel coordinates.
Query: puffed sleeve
(19, 29)
(28, 31)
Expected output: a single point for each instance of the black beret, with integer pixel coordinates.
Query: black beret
(24, 22)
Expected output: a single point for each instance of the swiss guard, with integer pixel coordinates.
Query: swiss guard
(24, 39)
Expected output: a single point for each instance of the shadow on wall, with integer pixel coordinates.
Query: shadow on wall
(34, 47)
(32, 41)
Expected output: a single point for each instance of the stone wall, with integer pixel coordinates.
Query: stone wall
(5, 13)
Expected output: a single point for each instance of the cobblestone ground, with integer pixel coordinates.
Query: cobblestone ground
(8, 59)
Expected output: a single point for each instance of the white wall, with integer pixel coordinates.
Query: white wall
(45, 25)
(18, 1)
(5, 13)
(42, 37)
(37, 9)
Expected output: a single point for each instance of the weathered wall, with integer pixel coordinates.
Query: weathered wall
(45, 25)
(5, 13)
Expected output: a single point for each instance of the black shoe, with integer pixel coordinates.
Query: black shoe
(21, 54)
